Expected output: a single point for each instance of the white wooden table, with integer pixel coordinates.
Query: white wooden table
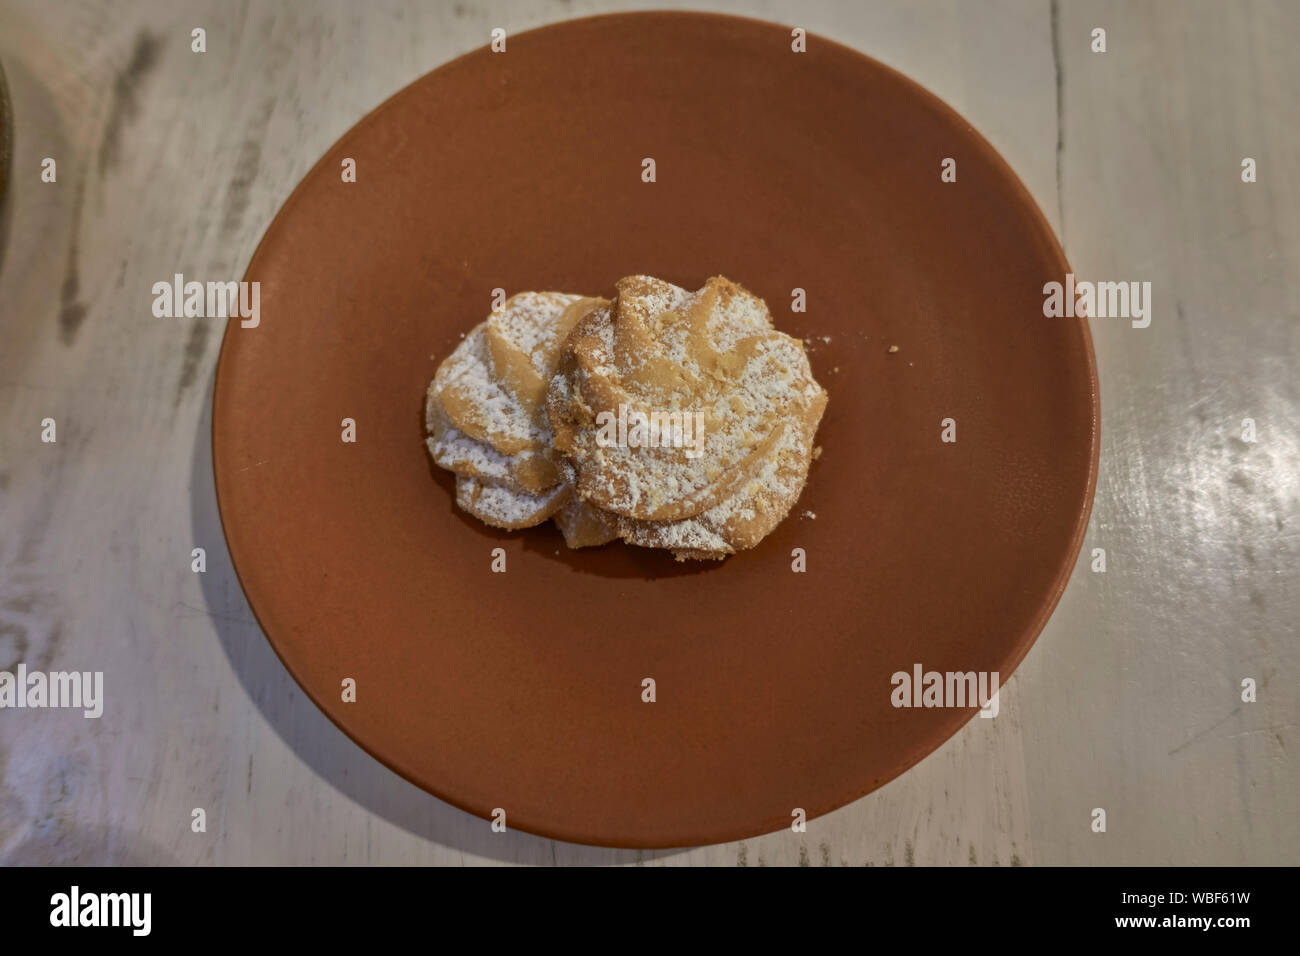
(169, 161)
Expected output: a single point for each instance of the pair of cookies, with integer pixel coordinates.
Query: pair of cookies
(667, 418)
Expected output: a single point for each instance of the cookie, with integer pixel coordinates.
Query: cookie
(735, 397)
(484, 411)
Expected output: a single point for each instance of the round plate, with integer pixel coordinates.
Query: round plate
(522, 170)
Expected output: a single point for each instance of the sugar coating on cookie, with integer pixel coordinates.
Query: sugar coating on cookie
(504, 507)
(531, 470)
(486, 385)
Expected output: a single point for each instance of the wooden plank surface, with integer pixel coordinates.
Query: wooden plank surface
(174, 162)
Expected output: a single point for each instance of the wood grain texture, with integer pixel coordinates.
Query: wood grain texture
(170, 162)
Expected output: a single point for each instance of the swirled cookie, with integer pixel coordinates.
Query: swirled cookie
(736, 398)
(484, 410)
(667, 418)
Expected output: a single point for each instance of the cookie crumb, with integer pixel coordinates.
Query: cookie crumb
(810, 515)
(893, 348)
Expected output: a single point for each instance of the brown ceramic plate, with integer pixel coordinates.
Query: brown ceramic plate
(779, 170)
